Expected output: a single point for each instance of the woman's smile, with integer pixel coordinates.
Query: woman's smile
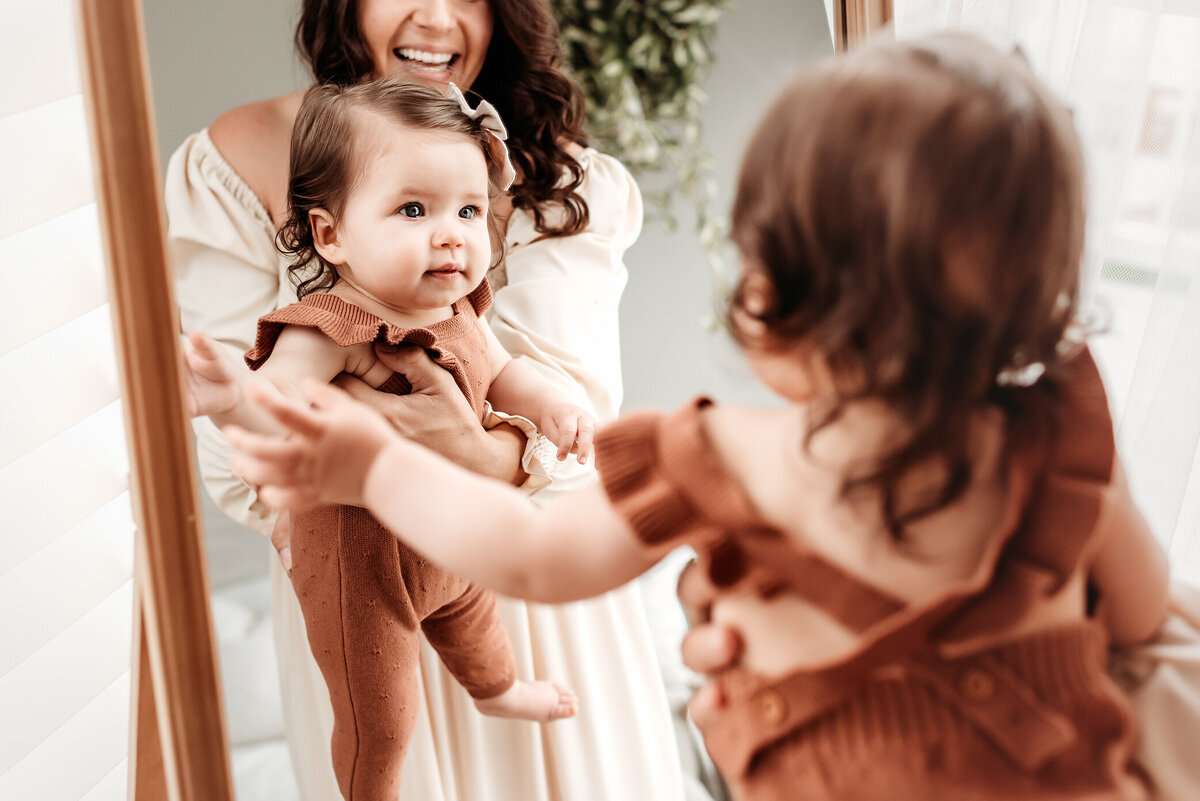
(430, 63)
(428, 41)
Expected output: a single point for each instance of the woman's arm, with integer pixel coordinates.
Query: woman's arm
(557, 308)
(518, 388)
(339, 451)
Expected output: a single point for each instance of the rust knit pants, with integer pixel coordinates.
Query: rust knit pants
(366, 597)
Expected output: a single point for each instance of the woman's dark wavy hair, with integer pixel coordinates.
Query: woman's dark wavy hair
(324, 167)
(521, 76)
(917, 209)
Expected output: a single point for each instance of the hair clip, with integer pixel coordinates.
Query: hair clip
(485, 114)
(1025, 376)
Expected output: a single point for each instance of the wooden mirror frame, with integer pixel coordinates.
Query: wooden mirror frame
(855, 20)
(178, 746)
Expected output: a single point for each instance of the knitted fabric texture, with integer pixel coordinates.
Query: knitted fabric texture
(940, 700)
(365, 596)
(455, 343)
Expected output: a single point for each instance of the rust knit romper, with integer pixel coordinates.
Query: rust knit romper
(365, 595)
(940, 702)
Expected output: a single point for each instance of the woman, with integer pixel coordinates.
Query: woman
(574, 212)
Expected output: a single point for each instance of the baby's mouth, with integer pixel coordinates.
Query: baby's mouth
(424, 59)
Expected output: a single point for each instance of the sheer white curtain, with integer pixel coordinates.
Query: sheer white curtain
(1130, 70)
(66, 530)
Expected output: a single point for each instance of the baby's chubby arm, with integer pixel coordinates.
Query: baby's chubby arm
(518, 388)
(340, 451)
(216, 384)
(1129, 572)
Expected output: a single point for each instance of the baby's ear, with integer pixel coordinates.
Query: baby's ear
(325, 235)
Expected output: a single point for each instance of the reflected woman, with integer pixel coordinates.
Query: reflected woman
(571, 215)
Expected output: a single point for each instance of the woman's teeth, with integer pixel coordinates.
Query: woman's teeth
(425, 59)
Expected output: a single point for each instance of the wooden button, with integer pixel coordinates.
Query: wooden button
(771, 707)
(976, 685)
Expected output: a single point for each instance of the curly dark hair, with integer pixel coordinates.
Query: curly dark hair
(521, 76)
(916, 209)
(323, 165)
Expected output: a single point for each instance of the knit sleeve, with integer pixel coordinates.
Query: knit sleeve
(629, 460)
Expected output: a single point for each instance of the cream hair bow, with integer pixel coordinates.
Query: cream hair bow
(487, 117)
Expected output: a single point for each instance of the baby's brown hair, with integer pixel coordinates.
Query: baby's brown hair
(917, 211)
(325, 164)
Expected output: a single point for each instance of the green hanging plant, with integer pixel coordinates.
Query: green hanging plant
(641, 63)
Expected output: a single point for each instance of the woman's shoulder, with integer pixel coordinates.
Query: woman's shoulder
(611, 193)
(254, 140)
(605, 179)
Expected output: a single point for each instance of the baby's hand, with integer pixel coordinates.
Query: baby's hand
(211, 378)
(331, 443)
(570, 428)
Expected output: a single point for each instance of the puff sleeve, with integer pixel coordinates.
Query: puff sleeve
(556, 306)
(227, 274)
(661, 476)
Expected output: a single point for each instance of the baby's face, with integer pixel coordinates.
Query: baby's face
(414, 233)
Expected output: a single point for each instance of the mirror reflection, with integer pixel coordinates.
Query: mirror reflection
(227, 82)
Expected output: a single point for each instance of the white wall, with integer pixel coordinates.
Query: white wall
(207, 56)
(668, 355)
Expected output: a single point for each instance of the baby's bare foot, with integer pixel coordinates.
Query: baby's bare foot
(542, 701)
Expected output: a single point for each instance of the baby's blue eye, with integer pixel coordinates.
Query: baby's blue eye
(412, 210)
(468, 212)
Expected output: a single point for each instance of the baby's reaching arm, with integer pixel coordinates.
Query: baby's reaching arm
(518, 388)
(216, 385)
(339, 451)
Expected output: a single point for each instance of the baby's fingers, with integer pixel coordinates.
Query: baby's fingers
(263, 459)
(205, 346)
(583, 439)
(267, 447)
(327, 396)
(288, 412)
(285, 498)
(565, 438)
(202, 355)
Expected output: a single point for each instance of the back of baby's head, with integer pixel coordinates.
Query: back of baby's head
(329, 156)
(917, 208)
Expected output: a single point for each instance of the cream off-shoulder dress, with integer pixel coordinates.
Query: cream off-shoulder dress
(556, 308)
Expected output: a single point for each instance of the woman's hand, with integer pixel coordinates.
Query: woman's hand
(707, 648)
(437, 415)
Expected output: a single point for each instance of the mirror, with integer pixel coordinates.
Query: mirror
(206, 58)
